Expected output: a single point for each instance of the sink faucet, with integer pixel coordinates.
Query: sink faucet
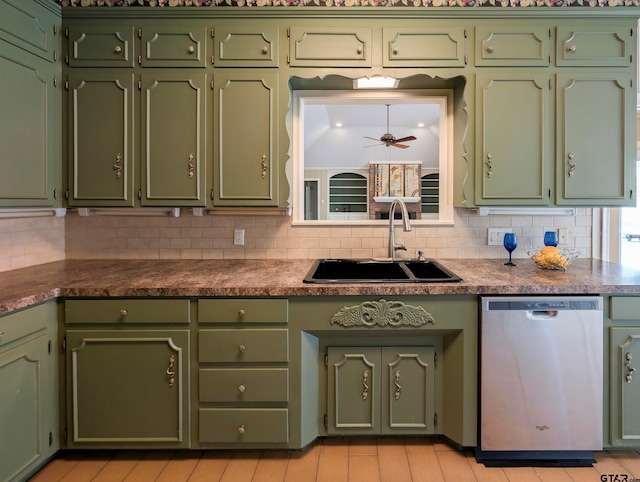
(393, 247)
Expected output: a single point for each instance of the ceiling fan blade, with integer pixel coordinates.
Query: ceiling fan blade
(374, 145)
(401, 146)
(372, 138)
(405, 139)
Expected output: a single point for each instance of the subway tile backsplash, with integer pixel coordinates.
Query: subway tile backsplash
(32, 241)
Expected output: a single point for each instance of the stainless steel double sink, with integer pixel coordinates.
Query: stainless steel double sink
(378, 271)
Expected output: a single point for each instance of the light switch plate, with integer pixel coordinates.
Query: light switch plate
(238, 237)
(495, 236)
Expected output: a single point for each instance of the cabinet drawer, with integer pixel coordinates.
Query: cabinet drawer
(244, 425)
(594, 46)
(244, 385)
(512, 46)
(101, 46)
(244, 46)
(126, 311)
(18, 325)
(243, 310)
(29, 26)
(423, 47)
(625, 308)
(173, 46)
(330, 47)
(240, 345)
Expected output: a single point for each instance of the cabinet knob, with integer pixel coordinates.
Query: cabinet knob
(265, 50)
(241, 429)
(191, 49)
(124, 313)
(117, 49)
(571, 48)
(359, 50)
(242, 348)
(241, 313)
(490, 48)
(1, 334)
(395, 50)
(241, 388)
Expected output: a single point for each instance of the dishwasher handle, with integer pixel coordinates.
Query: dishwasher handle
(542, 314)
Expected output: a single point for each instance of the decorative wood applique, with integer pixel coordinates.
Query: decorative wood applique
(382, 313)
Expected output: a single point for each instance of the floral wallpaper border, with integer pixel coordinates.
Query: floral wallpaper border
(349, 3)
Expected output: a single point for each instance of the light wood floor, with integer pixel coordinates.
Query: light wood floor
(330, 460)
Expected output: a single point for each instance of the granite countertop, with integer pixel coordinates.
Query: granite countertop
(195, 278)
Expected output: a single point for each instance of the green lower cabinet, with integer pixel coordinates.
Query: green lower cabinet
(381, 390)
(28, 395)
(244, 425)
(128, 388)
(624, 375)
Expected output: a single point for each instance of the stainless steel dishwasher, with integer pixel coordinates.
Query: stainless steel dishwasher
(541, 379)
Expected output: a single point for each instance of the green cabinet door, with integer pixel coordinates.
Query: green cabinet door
(101, 137)
(381, 390)
(624, 352)
(596, 153)
(30, 131)
(443, 46)
(242, 44)
(174, 138)
(100, 45)
(128, 388)
(246, 166)
(513, 145)
(165, 44)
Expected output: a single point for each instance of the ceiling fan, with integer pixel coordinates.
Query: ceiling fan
(388, 139)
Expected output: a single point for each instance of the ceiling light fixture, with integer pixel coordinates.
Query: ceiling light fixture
(338, 124)
(376, 82)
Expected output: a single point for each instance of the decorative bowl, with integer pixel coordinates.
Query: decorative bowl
(548, 259)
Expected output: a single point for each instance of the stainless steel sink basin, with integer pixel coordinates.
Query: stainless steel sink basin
(378, 271)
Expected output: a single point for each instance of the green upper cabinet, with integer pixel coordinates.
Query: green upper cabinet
(443, 46)
(513, 119)
(246, 165)
(595, 46)
(596, 153)
(173, 138)
(330, 46)
(513, 46)
(243, 45)
(101, 137)
(101, 45)
(169, 45)
(30, 130)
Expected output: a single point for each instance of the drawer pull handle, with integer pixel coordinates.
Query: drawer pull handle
(191, 166)
(241, 429)
(241, 313)
(170, 372)
(117, 167)
(191, 49)
(572, 165)
(242, 348)
(572, 48)
(264, 166)
(265, 50)
(124, 313)
(241, 388)
(489, 163)
(365, 379)
(396, 382)
(630, 369)
(117, 49)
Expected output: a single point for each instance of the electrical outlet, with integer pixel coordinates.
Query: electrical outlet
(495, 236)
(238, 237)
(563, 235)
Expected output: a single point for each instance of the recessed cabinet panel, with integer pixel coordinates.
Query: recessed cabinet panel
(126, 311)
(174, 145)
(513, 161)
(512, 46)
(173, 46)
(244, 46)
(128, 386)
(423, 47)
(243, 385)
(330, 47)
(97, 46)
(30, 131)
(101, 134)
(597, 46)
(595, 151)
(29, 26)
(246, 171)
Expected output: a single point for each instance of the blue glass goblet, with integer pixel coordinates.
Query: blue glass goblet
(510, 242)
(551, 238)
